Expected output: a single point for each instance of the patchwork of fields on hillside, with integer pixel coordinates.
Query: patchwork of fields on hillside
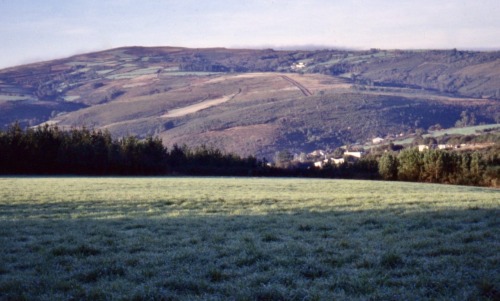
(254, 102)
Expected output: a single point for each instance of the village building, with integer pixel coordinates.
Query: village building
(338, 161)
(422, 147)
(446, 146)
(353, 154)
(320, 164)
(299, 65)
(317, 153)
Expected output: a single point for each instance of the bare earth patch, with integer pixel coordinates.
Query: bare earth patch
(199, 106)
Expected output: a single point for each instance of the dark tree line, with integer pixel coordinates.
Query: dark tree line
(49, 150)
(440, 166)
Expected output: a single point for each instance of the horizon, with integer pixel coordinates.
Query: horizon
(33, 33)
(277, 48)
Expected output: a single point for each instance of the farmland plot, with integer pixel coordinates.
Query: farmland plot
(246, 239)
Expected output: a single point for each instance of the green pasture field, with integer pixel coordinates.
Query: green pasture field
(11, 98)
(135, 73)
(246, 239)
(470, 130)
(464, 131)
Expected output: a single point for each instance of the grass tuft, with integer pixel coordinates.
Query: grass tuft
(270, 237)
(268, 293)
(313, 272)
(215, 275)
(488, 290)
(305, 227)
(391, 260)
(81, 250)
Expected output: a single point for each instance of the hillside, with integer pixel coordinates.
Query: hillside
(255, 102)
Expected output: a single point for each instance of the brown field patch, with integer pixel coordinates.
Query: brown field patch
(244, 140)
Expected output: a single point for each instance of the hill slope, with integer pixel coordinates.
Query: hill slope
(255, 102)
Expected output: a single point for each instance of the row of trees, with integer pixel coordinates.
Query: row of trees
(439, 166)
(49, 150)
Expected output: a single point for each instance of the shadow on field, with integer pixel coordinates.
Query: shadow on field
(120, 252)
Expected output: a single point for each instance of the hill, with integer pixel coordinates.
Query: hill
(255, 102)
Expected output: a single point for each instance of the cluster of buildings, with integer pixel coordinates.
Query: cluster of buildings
(320, 158)
(298, 66)
(331, 160)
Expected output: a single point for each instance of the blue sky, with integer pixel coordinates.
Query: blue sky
(34, 30)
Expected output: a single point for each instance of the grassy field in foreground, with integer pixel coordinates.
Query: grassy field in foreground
(246, 239)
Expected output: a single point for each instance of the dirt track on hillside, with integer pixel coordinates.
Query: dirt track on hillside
(303, 89)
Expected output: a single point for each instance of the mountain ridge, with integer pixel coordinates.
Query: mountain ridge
(272, 100)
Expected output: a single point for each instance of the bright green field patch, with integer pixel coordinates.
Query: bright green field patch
(135, 73)
(470, 130)
(4, 98)
(72, 97)
(188, 73)
(465, 130)
(246, 239)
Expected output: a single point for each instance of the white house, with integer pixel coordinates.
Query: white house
(445, 146)
(299, 65)
(377, 140)
(318, 152)
(353, 154)
(338, 161)
(320, 164)
(422, 147)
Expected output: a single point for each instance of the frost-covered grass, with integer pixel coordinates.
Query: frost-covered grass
(246, 239)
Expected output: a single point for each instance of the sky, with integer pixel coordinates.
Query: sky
(36, 30)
